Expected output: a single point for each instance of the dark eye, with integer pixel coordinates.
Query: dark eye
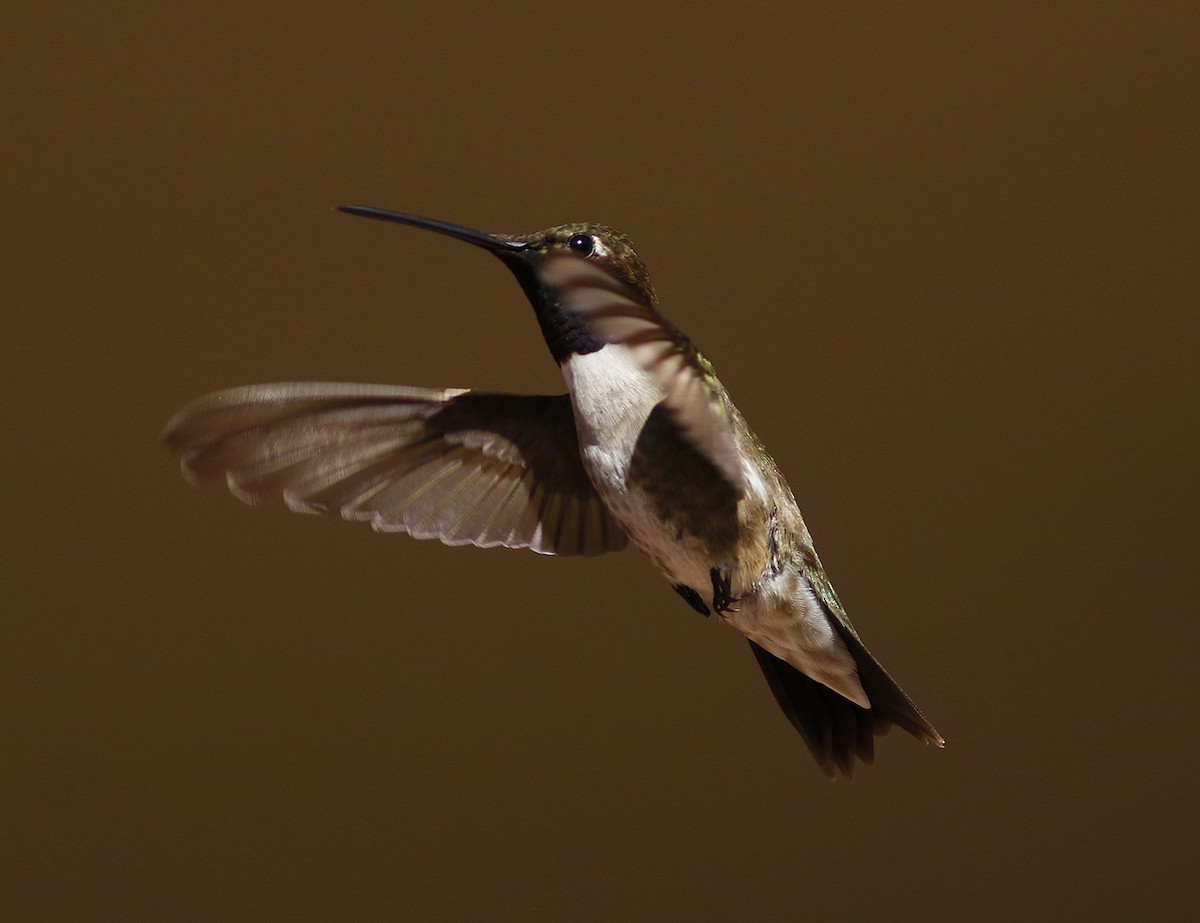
(583, 244)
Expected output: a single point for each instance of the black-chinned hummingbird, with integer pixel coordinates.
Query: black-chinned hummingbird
(645, 447)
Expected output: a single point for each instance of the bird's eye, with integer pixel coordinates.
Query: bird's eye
(583, 244)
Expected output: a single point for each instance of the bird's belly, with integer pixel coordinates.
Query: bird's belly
(665, 512)
(682, 556)
(784, 617)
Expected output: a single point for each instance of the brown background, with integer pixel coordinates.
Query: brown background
(935, 251)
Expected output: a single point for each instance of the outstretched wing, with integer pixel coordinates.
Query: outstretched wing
(693, 396)
(464, 467)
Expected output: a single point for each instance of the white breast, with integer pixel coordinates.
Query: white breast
(612, 396)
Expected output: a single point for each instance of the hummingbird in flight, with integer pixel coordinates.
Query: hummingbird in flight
(645, 447)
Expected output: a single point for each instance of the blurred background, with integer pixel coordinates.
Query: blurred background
(937, 254)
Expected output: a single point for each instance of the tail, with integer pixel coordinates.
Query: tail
(835, 729)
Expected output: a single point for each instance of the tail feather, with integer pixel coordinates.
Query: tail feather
(888, 700)
(836, 730)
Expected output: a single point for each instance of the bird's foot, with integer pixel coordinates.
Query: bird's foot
(691, 597)
(722, 594)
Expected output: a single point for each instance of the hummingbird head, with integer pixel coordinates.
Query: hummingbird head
(567, 272)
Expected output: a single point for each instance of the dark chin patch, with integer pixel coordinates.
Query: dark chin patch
(565, 333)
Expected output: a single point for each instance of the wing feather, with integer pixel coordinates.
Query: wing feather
(464, 467)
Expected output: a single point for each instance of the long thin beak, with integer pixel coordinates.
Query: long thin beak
(502, 248)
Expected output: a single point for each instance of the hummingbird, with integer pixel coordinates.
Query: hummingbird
(645, 448)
